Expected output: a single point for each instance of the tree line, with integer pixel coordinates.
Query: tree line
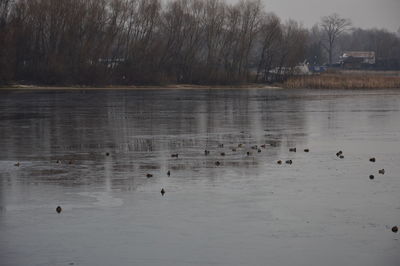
(98, 42)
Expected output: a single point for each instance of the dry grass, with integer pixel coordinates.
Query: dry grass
(340, 81)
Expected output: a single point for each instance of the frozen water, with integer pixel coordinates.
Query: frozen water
(321, 210)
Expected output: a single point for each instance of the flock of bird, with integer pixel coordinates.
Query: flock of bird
(339, 154)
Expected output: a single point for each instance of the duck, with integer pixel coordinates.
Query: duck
(341, 156)
(217, 163)
(221, 145)
(17, 164)
(149, 175)
(248, 153)
(222, 153)
(162, 192)
(372, 159)
(292, 149)
(240, 145)
(259, 150)
(289, 161)
(382, 171)
(107, 154)
(339, 153)
(58, 209)
(175, 155)
(371, 177)
(206, 152)
(306, 150)
(168, 173)
(263, 146)
(279, 162)
(233, 149)
(395, 229)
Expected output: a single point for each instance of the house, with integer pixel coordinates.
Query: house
(357, 59)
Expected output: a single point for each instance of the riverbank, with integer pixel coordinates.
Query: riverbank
(348, 79)
(354, 80)
(140, 87)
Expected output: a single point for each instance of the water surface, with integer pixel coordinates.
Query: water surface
(321, 210)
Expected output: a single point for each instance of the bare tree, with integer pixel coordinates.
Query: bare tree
(333, 26)
(269, 36)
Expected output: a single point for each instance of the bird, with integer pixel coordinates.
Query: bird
(289, 161)
(372, 159)
(292, 149)
(233, 149)
(222, 153)
(382, 171)
(255, 147)
(17, 164)
(58, 209)
(371, 177)
(306, 150)
(206, 152)
(162, 192)
(217, 163)
(168, 173)
(341, 156)
(221, 145)
(107, 154)
(395, 229)
(259, 150)
(263, 146)
(248, 153)
(58, 161)
(149, 175)
(279, 162)
(175, 155)
(339, 153)
(240, 145)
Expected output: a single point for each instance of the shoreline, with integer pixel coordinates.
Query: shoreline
(20, 87)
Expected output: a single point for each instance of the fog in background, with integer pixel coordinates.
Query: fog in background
(363, 13)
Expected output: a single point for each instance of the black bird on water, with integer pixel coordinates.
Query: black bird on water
(168, 173)
(162, 192)
(58, 209)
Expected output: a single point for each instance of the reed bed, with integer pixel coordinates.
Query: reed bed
(340, 81)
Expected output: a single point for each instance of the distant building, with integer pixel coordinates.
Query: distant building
(357, 59)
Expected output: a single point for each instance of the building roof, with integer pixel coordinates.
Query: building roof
(359, 54)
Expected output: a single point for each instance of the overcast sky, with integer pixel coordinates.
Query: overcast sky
(363, 13)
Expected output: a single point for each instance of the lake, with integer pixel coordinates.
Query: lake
(91, 152)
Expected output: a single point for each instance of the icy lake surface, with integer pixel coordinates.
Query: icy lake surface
(249, 210)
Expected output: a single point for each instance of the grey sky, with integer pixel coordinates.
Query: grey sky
(363, 13)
